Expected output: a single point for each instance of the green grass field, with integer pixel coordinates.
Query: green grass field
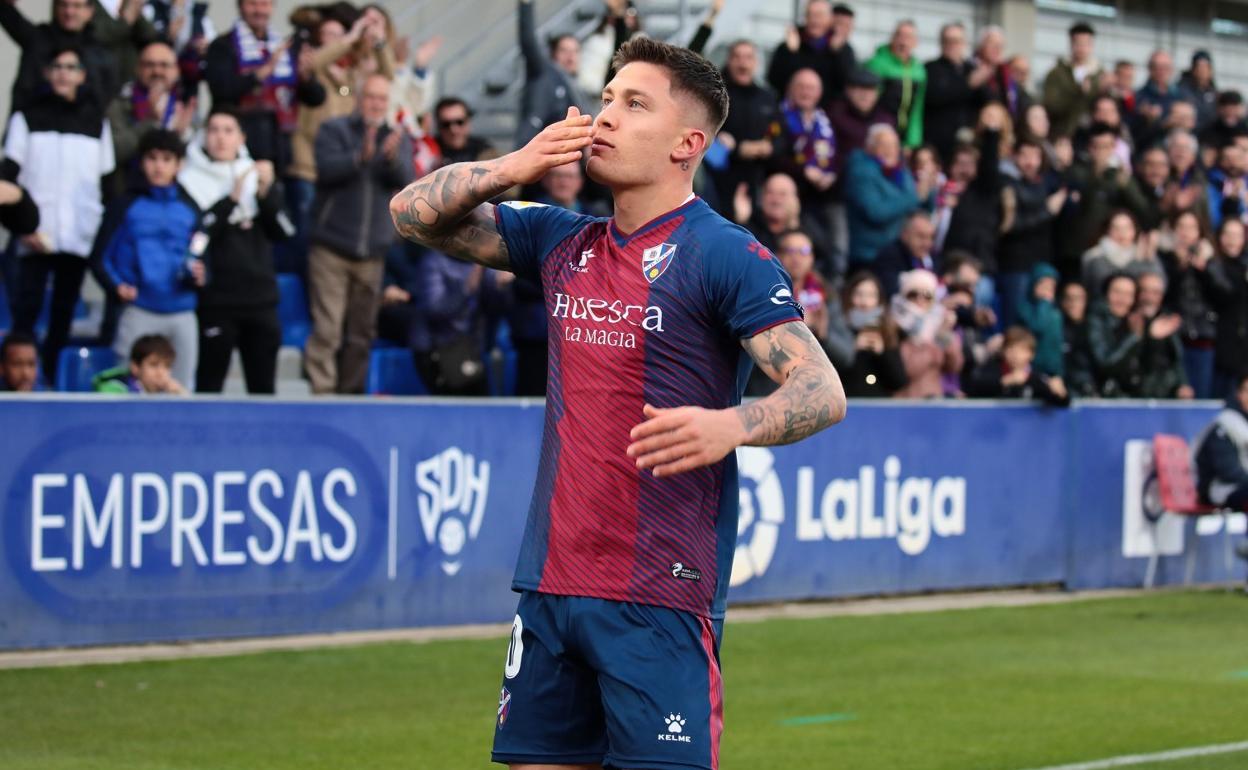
(991, 688)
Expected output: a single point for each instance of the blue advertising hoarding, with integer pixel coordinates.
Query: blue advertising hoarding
(130, 521)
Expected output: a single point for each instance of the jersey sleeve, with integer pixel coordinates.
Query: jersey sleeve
(532, 230)
(749, 287)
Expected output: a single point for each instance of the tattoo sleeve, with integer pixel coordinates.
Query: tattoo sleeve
(810, 396)
(447, 210)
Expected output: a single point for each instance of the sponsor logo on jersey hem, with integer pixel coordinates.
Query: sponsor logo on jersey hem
(675, 729)
(656, 259)
(681, 572)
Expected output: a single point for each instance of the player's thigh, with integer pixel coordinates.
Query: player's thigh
(661, 687)
(555, 767)
(549, 708)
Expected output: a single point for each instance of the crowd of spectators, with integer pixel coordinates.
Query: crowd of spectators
(952, 227)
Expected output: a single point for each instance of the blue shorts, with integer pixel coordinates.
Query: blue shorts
(592, 681)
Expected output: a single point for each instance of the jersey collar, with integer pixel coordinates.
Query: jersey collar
(621, 239)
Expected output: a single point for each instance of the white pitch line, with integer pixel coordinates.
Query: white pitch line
(1162, 756)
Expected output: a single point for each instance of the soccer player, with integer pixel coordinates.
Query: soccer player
(624, 565)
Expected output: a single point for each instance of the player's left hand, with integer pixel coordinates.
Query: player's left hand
(672, 441)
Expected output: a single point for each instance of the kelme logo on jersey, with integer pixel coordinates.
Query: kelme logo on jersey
(453, 489)
(655, 260)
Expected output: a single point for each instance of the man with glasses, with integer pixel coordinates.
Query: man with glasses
(71, 25)
(152, 100)
(455, 139)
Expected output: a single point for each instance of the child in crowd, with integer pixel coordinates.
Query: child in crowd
(149, 250)
(1040, 314)
(1010, 373)
(149, 371)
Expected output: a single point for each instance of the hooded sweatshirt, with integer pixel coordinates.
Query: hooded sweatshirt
(902, 92)
(1044, 320)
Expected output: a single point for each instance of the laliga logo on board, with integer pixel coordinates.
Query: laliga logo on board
(761, 508)
(453, 488)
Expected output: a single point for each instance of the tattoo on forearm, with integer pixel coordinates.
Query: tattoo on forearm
(811, 397)
(447, 210)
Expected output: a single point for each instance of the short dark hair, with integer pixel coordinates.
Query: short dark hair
(840, 9)
(956, 259)
(1114, 276)
(1100, 129)
(1081, 28)
(17, 340)
(64, 48)
(225, 111)
(555, 40)
(1230, 99)
(152, 345)
(1241, 380)
(161, 140)
(450, 101)
(1028, 142)
(690, 74)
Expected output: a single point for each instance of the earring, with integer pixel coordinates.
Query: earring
(684, 165)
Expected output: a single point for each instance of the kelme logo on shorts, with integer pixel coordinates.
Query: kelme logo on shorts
(681, 572)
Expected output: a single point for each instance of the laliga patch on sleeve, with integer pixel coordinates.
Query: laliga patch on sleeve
(522, 204)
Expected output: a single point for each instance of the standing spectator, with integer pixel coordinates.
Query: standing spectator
(71, 27)
(1099, 186)
(1076, 355)
(121, 30)
(1012, 373)
(852, 116)
(748, 132)
(253, 70)
(953, 90)
(1040, 314)
(152, 100)
(1030, 207)
(1018, 96)
(904, 81)
(869, 358)
(1227, 277)
(1122, 249)
(562, 187)
(456, 141)
(1188, 188)
(1228, 122)
(929, 348)
(1185, 261)
(59, 148)
(149, 248)
(1107, 112)
(1228, 188)
(411, 93)
(781, 210)
(1073, 83)
(1122, 86)
(1196, 86)
(19, 363)
(879, 193)
(361, 162)
(999, 83)
(820, 44)
(808, 144)
(1161, 350)
(911, 251)
(976, 221)
(1221, 455)
(244, 215)
(550, 84)
(1114, 338)
(620, 21)
(1150, 185)
(1159, 92)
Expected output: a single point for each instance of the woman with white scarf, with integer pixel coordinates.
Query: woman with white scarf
(1122, 249)
(930, 349)
(243, 208)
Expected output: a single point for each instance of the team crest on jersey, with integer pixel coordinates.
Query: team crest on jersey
(504, 706)
(655, 260)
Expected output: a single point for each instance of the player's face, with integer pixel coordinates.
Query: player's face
(639, 129)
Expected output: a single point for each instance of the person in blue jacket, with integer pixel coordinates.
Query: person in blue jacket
(148, 253)
(879, 193)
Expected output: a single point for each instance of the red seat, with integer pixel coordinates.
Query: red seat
(1175, 478)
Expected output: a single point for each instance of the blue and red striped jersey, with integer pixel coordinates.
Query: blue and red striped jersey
(656, 316)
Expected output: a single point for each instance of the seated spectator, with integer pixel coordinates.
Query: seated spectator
(1041, 316)
(1011, 373)
(780, 211)
(550, 78)
(1121, 249)
(1227, 276)
(361, 162)
(1074, 82)
(821, 44)
(929, 348)
(18, 212)
(253, 69)
(1187, 188)
(1221, 452)
(19, 363)
(864, 343)
(1228, 185)
(1076, 356)
(455, 138)
(1115, 335)
(149, 371)
(70, 27)
(807, 145)
(962, 270)
(1185, 259)
(1197, 86)
(1229, 122)
(149, 249)
(748, 132)
(879, 193)
(904, 81)
(63, 122)
(1151, 183)
(911, 251)
(154, 99)
(448, 338)
(1161, 351)
(243, 217)
(1029, 208)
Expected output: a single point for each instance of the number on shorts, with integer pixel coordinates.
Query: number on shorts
(515, 650)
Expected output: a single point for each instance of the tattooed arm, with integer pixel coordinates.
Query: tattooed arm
(447, 210)
(810, 398)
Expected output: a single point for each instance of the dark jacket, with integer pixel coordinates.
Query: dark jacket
(876, 206)
(833, 67)
(1222, 456)
(1077, 359)
(950, 104)
(240, 259)
(1205, 99)
(1114, 351)
(976, 222)
(1187, 293)
(875, 375)
(351, 214)
(1093, 200)
(895, 259)
(446, 308)
(808, 222)
(145, 242)
(1028, 241)
(985, 382)
(850, 127)
(548, 90)
(1161, 366)
(1227, 282)
(38, 41)
(753, 114)
(22, 217)
(472, 150)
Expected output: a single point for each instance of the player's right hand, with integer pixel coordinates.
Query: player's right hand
(557, 144)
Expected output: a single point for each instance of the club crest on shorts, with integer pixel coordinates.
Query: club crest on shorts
(504, 706)
(655, 260)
